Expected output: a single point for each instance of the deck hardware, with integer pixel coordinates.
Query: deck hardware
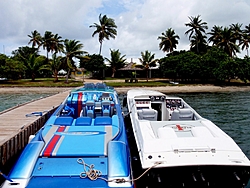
(236, 176)
(194, 178)
(202, 177)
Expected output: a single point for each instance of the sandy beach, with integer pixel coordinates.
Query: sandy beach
(166, 89)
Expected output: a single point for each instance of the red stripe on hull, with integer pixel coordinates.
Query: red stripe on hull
(79, 104)
(52, 143)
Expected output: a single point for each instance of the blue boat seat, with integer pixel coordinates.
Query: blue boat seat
(100, 86)
(182, 114)
(89, 86)
(103, 120)
(83, 121)
(106, 108)
(90, 106)
(147, 114)
(64, 120)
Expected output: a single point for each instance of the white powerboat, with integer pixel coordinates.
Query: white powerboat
(181, 148)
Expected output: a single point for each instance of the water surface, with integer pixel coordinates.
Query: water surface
(229, 110)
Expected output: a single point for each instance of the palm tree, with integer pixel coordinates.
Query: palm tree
(105, 30)
(237, 32)
(225, 38)
(73, 49)
(147, 60)
(116, 61)
(57, 44)
(197, 27)
(227, 42)
(34, 64)
(54, 65)
(245, 38)
(198, 42)
(215, 34)
(47, 42)
(35, 38)
(169, 41)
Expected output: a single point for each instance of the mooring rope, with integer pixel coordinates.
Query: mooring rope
(93, 174)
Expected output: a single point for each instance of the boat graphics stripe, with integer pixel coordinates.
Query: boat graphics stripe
(108, 137)
(59, 142)
(48, 151)
(50, 133)
(79, 104)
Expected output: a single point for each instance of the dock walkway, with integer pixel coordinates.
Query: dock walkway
(15, 127)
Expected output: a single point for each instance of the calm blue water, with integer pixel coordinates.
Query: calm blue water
(11, 100)
(230, 111)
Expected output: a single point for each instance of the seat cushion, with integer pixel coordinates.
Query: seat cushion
(83, 121)
(67, 121)
(103, 120)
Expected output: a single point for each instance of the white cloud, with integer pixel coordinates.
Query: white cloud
(139, 22)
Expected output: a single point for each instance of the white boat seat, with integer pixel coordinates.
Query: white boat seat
(147, 114)
(182, 114)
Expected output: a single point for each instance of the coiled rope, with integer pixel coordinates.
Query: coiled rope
(93, 174)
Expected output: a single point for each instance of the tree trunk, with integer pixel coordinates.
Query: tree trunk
(100, 48)
(147, 75)
(113, 72)
(56, 76)
(33, 77)
(67, 77)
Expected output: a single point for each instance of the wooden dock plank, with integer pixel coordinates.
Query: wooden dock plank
(13, 121)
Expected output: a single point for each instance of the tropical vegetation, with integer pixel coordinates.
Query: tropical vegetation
(116, 61)
(211, 58)
(147, 61)
(105, 30)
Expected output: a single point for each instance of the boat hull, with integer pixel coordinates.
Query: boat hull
(83, 144)
(180, 151)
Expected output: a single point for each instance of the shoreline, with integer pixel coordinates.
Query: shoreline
(166, 89)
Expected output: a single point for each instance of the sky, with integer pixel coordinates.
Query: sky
(139, 22)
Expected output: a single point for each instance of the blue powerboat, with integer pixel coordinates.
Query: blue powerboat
(83, 144)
